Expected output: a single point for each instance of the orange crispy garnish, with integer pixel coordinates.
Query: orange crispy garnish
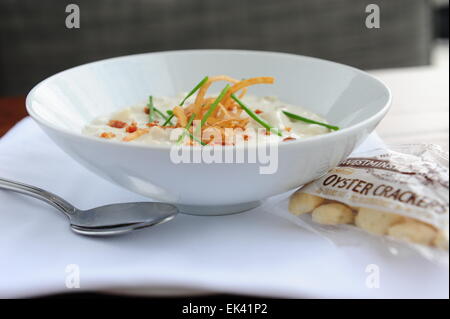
(288, 129)
(289, 139)
(242, 84)
(199, 100)
(226, 115)
(179, 113)
(132, 136)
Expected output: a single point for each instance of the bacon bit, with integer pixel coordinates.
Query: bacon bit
(289, 139)
(288, 129)
(135, 135)
(117, 124)
(268, 132)
(107, 135)
(258, 111)
(246, 137)
(132, 128)
(152, 124)
(147, 111)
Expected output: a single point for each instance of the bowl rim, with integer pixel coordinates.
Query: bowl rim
(334, 134)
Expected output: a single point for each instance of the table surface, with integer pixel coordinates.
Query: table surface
(419, 113)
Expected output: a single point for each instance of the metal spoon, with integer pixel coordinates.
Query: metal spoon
(104, 220)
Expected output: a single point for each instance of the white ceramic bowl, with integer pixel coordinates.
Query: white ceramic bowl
(347, 97)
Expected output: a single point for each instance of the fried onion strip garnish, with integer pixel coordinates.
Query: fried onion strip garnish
(138, 133)
(222, 114)
(199, 100)
(242, 84)
(179, 113)
(224, 111)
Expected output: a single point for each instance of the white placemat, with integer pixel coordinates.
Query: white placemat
(254, 253)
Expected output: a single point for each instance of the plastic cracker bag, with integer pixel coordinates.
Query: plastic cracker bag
(397, 198)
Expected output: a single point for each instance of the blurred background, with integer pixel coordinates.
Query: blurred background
(35, 43)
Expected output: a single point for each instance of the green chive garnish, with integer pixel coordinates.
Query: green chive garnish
(168, 120)
(152, 110)
(212, 108)
(160, 113)
(304, 119)
(186, 129)
(171, 115)
(196, 139)
(151, 116)
(198, 86)
(214, 104)
(195, 89)
(254, 116)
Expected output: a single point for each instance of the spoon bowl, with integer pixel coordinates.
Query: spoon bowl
(105, 220)
(120, 218)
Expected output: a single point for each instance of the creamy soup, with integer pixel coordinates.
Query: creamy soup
(123, 125)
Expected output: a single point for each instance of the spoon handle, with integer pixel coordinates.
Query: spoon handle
(39, 193)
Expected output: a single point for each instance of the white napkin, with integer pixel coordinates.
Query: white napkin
(253, 253)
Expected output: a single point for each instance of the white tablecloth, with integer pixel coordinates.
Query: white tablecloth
(254, 253)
